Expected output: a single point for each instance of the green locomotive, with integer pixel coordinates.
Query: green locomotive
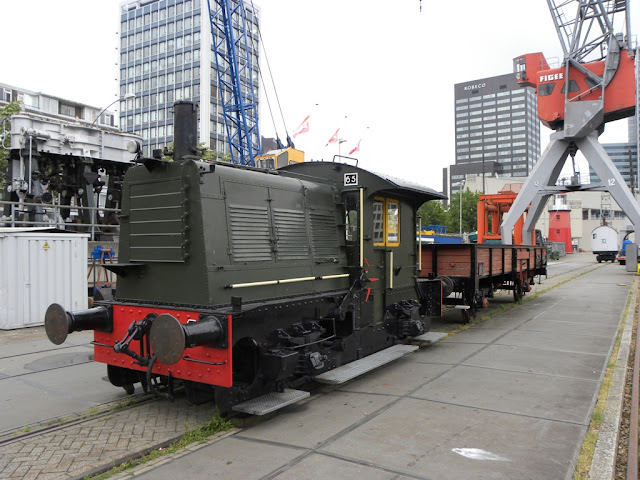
(241, 282)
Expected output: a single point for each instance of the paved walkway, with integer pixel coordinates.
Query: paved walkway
(509, 398)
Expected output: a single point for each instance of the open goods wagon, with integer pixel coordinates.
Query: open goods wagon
(471, 273)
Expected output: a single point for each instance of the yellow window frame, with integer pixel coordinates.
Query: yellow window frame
(390, 222)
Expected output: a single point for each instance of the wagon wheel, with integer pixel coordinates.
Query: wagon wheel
(517, 291)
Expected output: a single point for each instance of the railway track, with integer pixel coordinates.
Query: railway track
(28, 432)
(97, 438)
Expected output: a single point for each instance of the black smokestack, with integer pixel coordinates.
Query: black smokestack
(185, 130)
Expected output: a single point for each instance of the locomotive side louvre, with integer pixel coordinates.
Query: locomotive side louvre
(282, 231)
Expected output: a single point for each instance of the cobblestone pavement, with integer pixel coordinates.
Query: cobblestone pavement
(79, 448)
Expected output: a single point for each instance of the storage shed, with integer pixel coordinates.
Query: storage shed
(39, 267)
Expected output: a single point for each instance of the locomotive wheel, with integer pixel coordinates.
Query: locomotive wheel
(129, 388)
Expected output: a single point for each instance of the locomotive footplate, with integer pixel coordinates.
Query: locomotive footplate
(352, 370)
(271, 402)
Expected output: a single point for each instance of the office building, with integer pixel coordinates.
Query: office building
(166, 56)
(55, 107)
(497, 129)
(625, 158)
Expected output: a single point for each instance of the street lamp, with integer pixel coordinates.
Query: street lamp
(128, 96)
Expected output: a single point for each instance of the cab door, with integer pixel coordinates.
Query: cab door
(386, 238)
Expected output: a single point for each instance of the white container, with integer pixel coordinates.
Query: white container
(38, 268)
(604, 239)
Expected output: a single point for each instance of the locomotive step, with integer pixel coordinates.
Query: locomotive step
(270, 402)
(354, 369)
(429, 337)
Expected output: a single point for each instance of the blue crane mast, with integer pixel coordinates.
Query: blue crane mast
(232, 47)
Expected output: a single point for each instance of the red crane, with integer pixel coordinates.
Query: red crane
(595, 84)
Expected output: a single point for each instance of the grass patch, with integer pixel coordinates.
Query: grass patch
(200, 434)
(583, 465)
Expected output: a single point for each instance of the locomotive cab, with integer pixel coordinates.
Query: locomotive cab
(559, 86)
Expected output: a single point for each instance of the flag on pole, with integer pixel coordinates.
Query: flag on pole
(303, 128)
(356, 148)
(333, 139)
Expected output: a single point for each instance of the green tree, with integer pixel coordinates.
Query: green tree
(208, 154)
(205, 153)
(469, 211)
(5, 139)
(433, 213)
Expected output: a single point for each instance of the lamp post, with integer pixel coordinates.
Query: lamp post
(340, 142)
(128, 96)
(461, 190)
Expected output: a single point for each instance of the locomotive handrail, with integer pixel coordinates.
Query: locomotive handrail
(285, 280)
(344, 156)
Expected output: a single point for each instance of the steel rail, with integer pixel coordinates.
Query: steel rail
(51, 425)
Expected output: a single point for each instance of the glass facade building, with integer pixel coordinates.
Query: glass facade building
(165, 56)
(497, 129)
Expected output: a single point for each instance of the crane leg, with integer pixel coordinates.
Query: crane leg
(610, 176)
(536, 209)
(544, 174)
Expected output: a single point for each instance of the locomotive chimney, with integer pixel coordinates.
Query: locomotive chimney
(185, 130)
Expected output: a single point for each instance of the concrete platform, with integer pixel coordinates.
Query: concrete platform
(508, 398)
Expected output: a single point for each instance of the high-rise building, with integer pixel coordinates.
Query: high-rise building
(166, 55)
(625, 157)
(497, 129)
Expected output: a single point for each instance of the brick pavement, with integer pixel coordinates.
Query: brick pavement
(77, 449)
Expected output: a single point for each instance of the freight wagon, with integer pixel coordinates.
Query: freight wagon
(471, 273)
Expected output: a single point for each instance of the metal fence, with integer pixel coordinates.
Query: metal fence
(102, 226)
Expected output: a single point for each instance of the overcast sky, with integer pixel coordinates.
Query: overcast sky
(380, 71)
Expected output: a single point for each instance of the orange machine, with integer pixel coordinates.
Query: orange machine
(619, 94)
(491, 209)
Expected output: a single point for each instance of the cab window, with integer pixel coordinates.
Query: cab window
(268, 163)
(545, 89)
(351, 219)
(573, 87)
(386, 222)
(378, 222)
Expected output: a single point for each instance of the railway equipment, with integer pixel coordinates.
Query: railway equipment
(244, 283)
(595, 84)
(472, 273)
(51, 159)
